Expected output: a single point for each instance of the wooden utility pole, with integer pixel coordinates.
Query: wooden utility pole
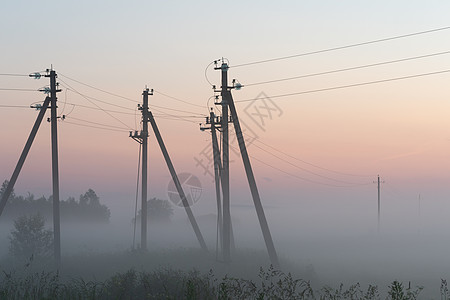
(225, 176)
(145, 94)
(227, 103)
(55, 167)
(215, 125)
(142, 138)
(49, 101)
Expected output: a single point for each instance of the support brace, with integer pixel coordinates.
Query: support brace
(23, 156)
(177, 182)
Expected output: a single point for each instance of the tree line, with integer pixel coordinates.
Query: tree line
(86, 209)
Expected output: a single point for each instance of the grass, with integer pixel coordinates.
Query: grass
(175, 274)
(176, 284)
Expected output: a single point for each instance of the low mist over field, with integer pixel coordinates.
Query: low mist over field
(316, 240)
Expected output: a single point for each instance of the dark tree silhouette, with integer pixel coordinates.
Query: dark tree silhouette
(87, 208)
(158, 211)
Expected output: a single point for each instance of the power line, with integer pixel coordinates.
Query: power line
(14, 106)
(342, 47)
(303, 178)
(96, 108)
(352, 85)
(95, 123)
(206, 75)
(348, 69)
(305, 170)
(308, 163)
(178, 110)
(20, 90)
(96, 127)
(112, 116)
(300, 177)
(129, 99)
(177, 99)
(176, 118)
(98, 89)
(162, 116)
(102, 101)
(16, 75)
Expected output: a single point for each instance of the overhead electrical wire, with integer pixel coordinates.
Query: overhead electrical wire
(342, 47)
(175, 118)
(101, 101)
(311, 164)
(14, 106)
(100, 90)
(96, 127)
(19, 90)
(96, 123)
(132, 100)
(305, 170)
(100, 109)
(177, 99)
(351, 85)
(106, 112)
(206, 70)
(347, 69)
(301, 168)
(178, 110)
(300, 177)
(15, 75)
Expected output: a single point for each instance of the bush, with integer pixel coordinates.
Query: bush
(30, 238)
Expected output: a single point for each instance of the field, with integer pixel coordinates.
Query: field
(153, 275)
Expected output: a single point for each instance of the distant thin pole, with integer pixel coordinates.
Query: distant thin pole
(378, 226)
(378, 182)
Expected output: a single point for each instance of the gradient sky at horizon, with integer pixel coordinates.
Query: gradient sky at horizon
(397, 129)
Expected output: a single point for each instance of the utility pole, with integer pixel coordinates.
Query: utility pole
(215, 125)
(227, 102)
(55, 167)
(225, 178)
(379, 193)
(49, 101)
(142, 138)
(212, 120)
